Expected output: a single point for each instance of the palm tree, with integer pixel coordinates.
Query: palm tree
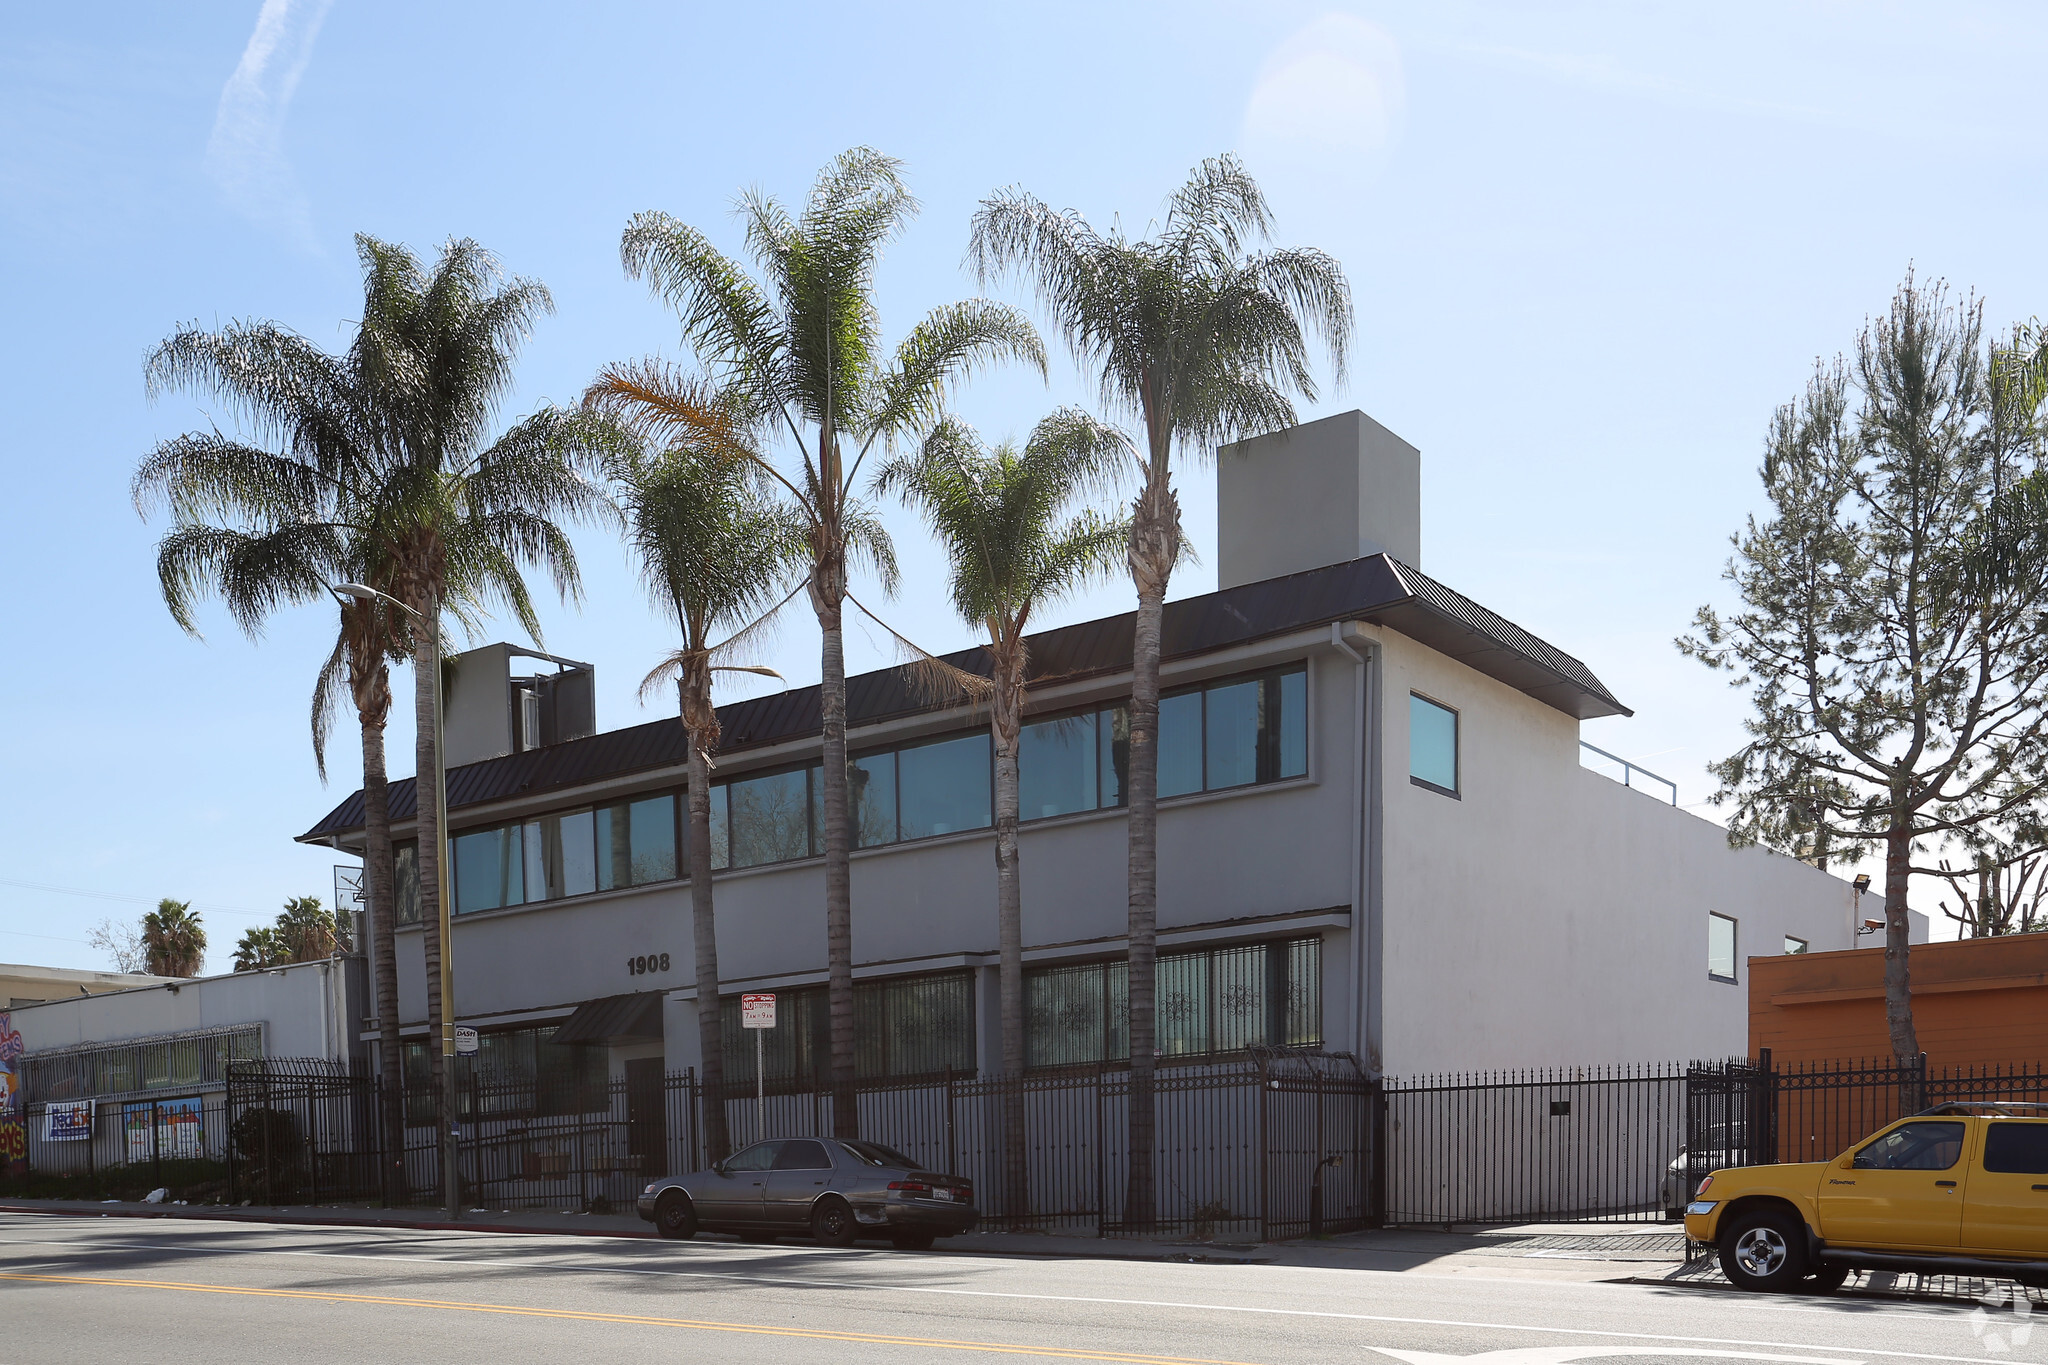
(174, 939)
(308, 931)
(257, 949)
(386, 477)
(718, 555)
(797, 353)
(1002, 516)
(320, 424)
(1202, 342)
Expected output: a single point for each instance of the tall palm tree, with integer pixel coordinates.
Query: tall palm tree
(254, 522)
(1202, 342)
(388, 475)
(719, 555)
(797, 353)
(174, 939)
(1002, 516)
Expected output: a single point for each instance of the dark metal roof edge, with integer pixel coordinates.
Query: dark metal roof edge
(889, 686)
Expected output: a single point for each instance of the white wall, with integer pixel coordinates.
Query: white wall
(1551, 916)
(302, 1008)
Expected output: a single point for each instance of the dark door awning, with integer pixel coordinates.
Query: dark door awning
(634, 1018)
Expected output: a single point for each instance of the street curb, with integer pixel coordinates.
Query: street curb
(301, 1220)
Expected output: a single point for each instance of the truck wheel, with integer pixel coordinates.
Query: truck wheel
(1826, 1278)
(675, 1217)
(832, 1223)
(1764, 1250)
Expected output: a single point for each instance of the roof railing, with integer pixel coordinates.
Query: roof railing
(1631, 771)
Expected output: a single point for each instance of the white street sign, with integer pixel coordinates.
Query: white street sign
(465, 1040)
(757, 1011)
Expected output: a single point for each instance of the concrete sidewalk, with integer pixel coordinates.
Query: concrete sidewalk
(1563, 1252)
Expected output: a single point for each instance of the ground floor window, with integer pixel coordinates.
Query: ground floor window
(1210, 1000)
(903, 1026)
(514, 1073)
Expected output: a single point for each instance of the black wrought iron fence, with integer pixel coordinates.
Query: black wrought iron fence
(1272, 1144)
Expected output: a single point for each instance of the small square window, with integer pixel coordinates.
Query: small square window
(1432, 745)
(1720, 947)
(1794, 946)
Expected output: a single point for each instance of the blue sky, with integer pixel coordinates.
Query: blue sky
(1592, 246)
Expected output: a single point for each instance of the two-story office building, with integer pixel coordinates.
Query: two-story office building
(1375, 835)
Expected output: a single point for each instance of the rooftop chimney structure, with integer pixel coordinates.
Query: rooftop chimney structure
(487, 712)
(1324, 492)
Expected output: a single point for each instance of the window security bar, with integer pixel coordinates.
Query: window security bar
(1629, 771)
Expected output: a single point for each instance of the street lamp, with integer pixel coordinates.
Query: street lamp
(451, 1179)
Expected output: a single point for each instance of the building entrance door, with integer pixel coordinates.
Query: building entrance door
(647, 1116)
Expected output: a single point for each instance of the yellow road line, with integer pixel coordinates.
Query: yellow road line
(871, 1338)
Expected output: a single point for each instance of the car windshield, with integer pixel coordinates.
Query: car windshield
(874, 1154)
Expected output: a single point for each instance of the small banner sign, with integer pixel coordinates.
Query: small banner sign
(67, 1121)
(757, 1011)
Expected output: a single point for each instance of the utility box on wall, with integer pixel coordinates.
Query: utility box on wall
(488, 711)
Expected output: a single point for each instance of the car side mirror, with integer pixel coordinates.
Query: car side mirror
(718, 1167)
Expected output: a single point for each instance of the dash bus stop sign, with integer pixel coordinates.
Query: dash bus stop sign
(465, 1040)
(757, 1011)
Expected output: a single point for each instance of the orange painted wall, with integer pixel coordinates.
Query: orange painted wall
(1976, 1002)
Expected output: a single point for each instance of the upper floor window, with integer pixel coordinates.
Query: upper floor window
(1230, 733)
(1234, 733)
(1432, 745)
(1720, 946)
(569, 853)
(1794, 946)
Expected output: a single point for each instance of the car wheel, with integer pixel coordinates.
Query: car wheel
(914, 1239)
(1827, 1278)
(1765, 1250)
(675, 1217)
(832, 1223)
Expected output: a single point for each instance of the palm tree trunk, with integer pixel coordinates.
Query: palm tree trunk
(828, 592)
(1005, 720)
(426, 671)
(710, 1024)
(1155, 537)
(1898, 923)
(379, 873)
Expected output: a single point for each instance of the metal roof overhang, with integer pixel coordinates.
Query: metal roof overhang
(633, 1018)
(1377, 588)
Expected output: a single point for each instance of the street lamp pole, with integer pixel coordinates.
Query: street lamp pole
(451, 1169)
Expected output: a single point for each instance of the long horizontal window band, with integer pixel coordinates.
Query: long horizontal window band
(903, 1027)
(1214, 736)
(1210, 1001)
(185, 1062)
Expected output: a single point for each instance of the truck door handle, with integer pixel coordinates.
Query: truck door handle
(1948, 1183)
(2041, 1187)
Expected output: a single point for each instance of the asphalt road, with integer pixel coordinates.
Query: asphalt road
(84, 1289)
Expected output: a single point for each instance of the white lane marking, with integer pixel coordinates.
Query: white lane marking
(1565, 1355)
(1012, 1294)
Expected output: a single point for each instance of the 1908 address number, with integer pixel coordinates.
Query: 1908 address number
(651, 962)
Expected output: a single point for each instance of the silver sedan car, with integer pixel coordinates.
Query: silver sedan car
(838, 1190)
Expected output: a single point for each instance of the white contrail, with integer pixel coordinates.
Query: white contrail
(245, 156)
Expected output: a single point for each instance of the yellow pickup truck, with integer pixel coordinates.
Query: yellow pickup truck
(1959, 1189)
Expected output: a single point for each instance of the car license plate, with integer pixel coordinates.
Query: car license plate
(946, 1195)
